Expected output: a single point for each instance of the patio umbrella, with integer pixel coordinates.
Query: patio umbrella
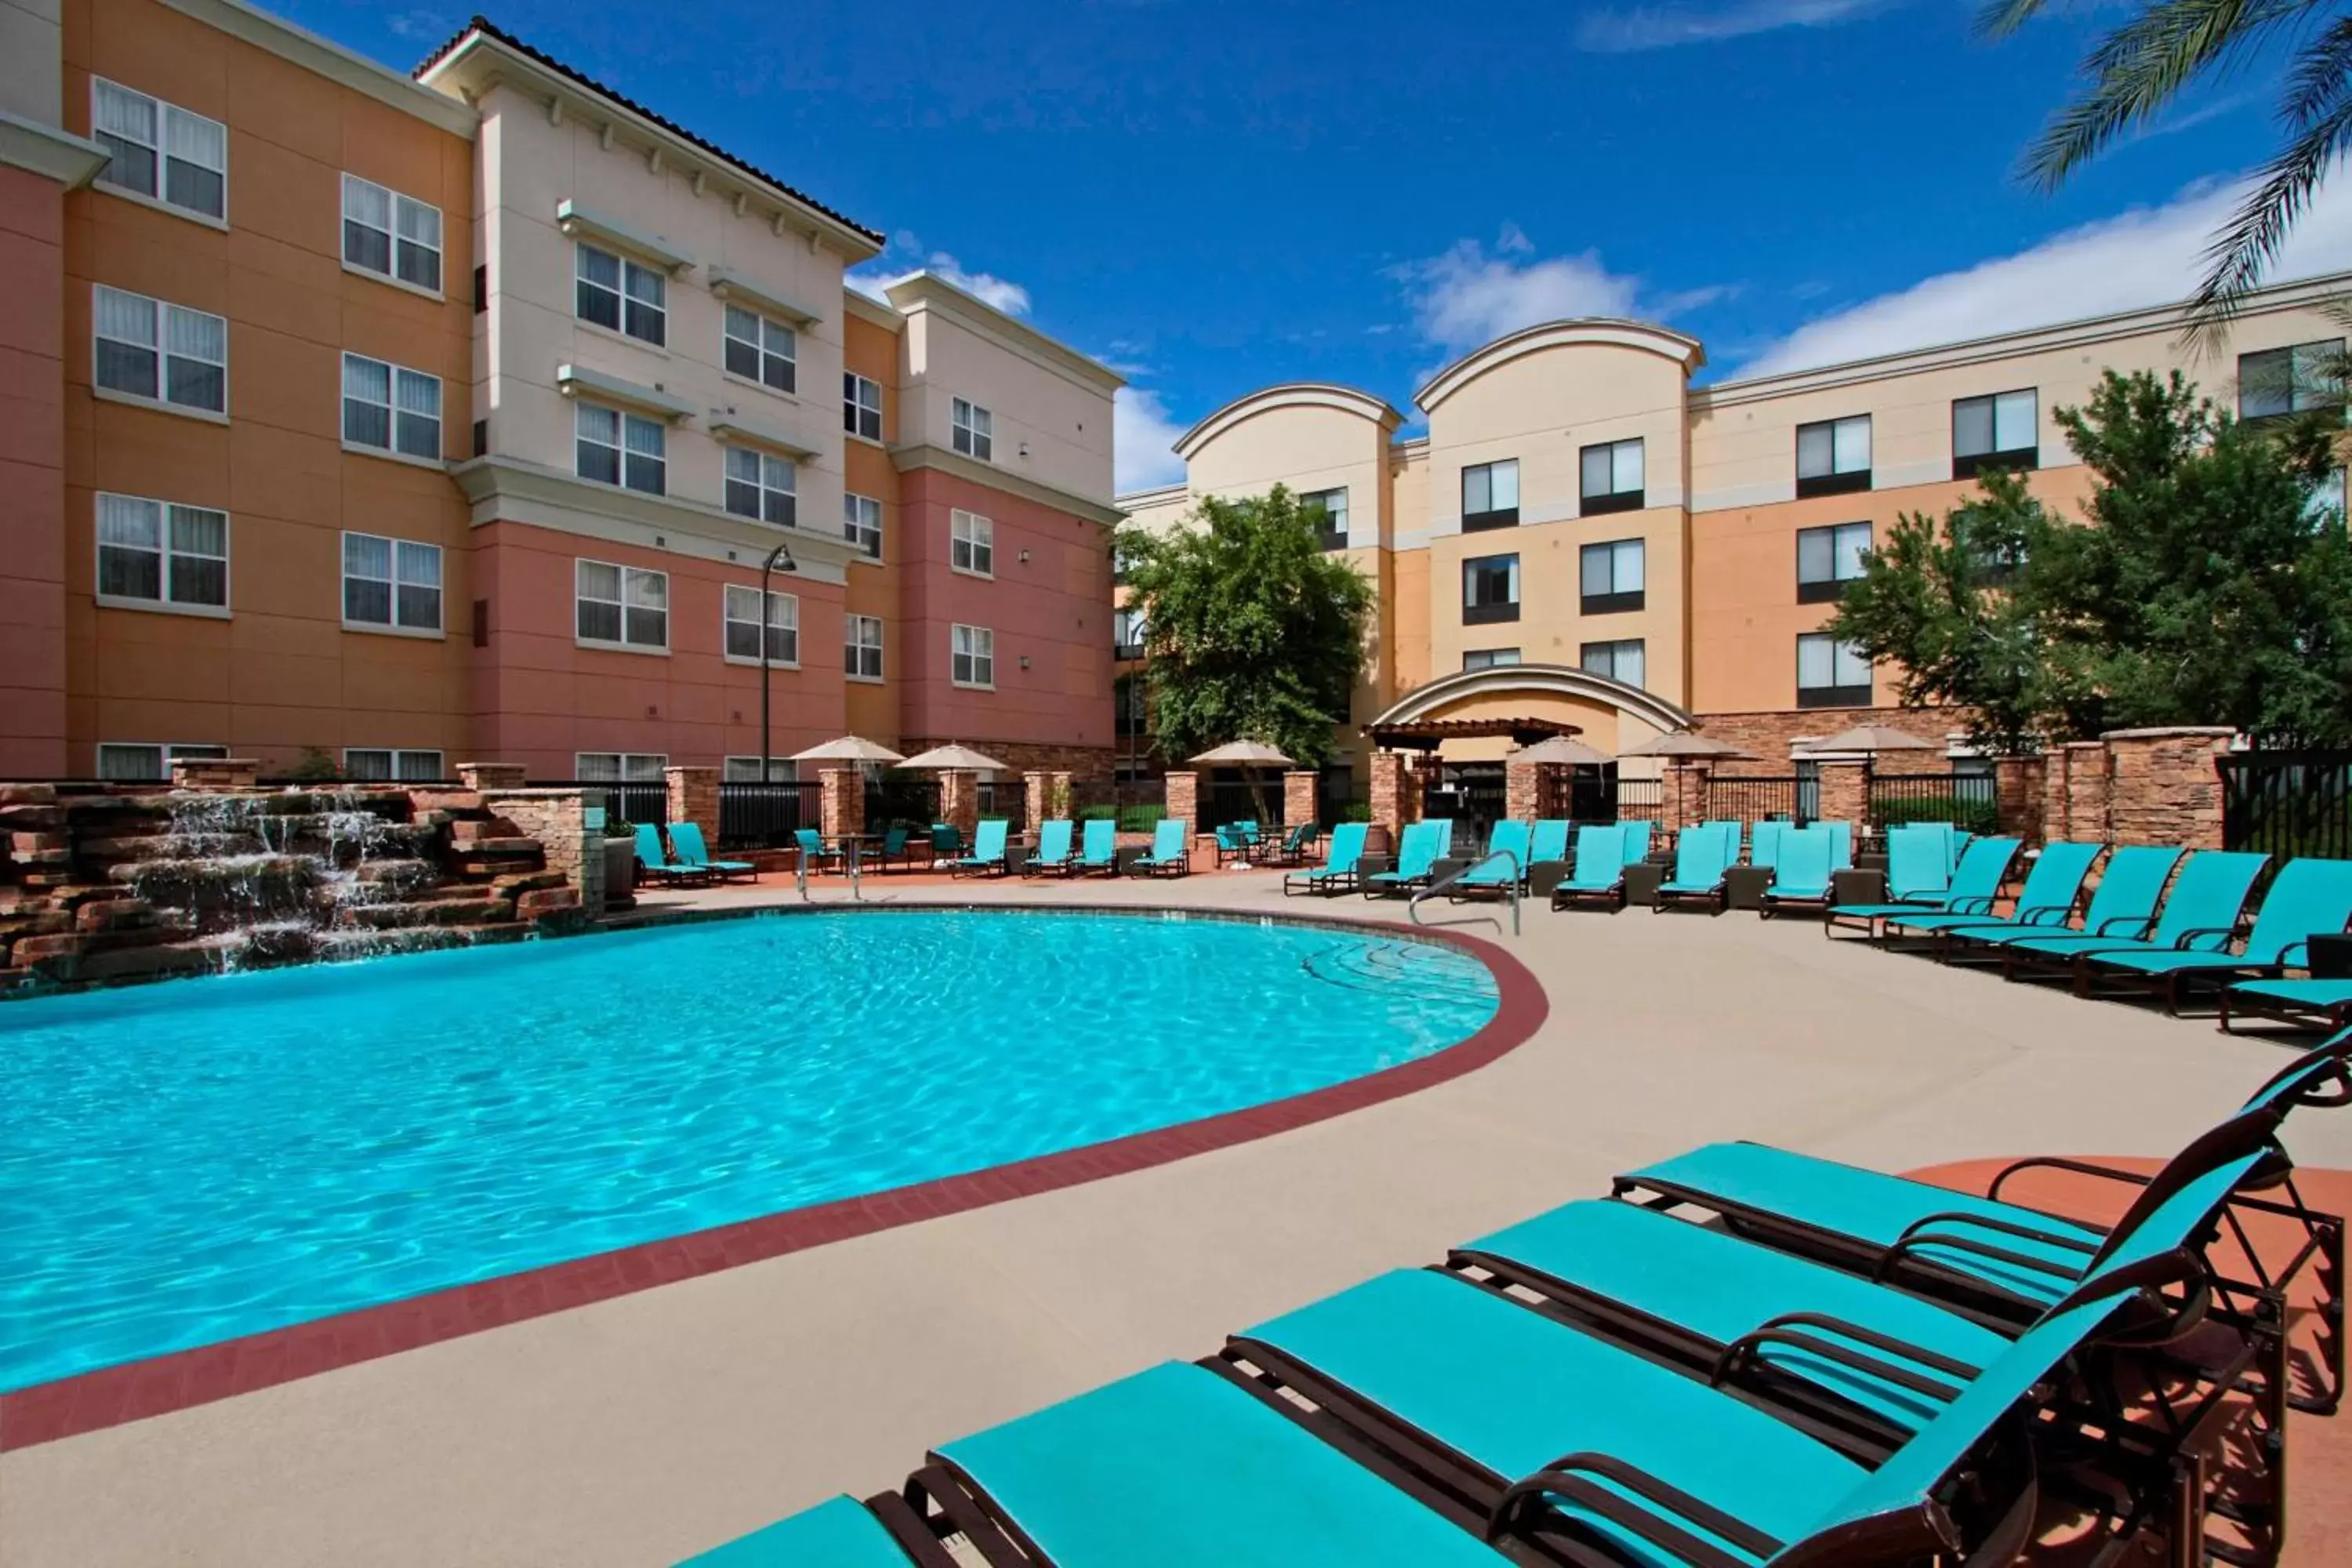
(1873, 739)
(1562, 749)
(954, 757)
(1682, 743)
(848, 748)
(1242, 754)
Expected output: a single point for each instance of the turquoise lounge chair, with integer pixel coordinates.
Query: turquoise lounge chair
(2309, 897)
(840, 1533)
(1492, 874)
(1098, 847)
(1444, 826)
(1549, 842)
(1636, 837)
(1416, 859)
(1764, 843)
(685, 838)
(1337, 872)
(1170, 854)
(2044, 903)
(1840, 845)
(655, 862)
(1735, 833)
(1053, 851)
(1802, 867)
(2310, 1003)
(987, 850)
(1703, 859)
(2122, 906)
(1598, 874)
(1918, 864)
(2201, 913)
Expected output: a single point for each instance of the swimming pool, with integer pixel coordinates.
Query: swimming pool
(189, 1162)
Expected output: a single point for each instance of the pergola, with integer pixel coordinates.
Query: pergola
(1429, 734)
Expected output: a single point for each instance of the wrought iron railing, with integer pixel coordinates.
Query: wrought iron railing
(911, 799)
(766, 816)
(1759, 799)
(1965, 800)
(2285, 804)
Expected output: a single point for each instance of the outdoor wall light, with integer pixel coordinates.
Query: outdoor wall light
(1024, 556)
(1024, 661)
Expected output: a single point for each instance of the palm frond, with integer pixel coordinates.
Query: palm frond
(2321, 75)
(2000, 18)
(2245, 249)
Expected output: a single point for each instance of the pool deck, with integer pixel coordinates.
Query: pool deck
(640, 1428)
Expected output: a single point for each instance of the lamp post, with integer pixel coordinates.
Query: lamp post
(781, 553)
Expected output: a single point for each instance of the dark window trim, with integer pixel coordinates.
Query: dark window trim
(1833, 697)
(1126, 652)
(1480, 522)
(1489, 615)
(1613, 603)
(1330, 541)
(1843, 484)
(1827, 591)
(1620, 501)
(2023, 458)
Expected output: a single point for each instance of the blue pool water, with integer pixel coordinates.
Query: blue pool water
(187, 1162)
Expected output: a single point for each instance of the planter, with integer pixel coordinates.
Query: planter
(620, 873)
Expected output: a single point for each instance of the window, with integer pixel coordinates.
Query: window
(368, 764)
(761, 350)
(625, 606)
(861, 405)
(972, 543)
(1490, 589)
(1489, 658)
(391, 583)
(1128, 630)
(746, 769)
(975, 656)
(742, 626)
(1130, 704)
(861, 647)
(1833, 456)
(2002, 431)
(154, 553)
(165, 354)
(1828, 559)
(391, 235)
(1490, 495)
(158, 151)
(1611, 478)
(125, 762)
(618, 294)
(2289, 381)
(390, 408)
(1329, 508)
(1830, 674)
(616, 449)
(973, 432)
(2323, 506)
(861, 522)
(1611, 577)
(619, 767)
(761, 486)
(1620, 660)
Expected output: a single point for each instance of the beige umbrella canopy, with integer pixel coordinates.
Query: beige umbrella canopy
(1682, 743)
(1873, 739)
(1562, 749)
(957, 757)
(848, 748)
(1242, 754)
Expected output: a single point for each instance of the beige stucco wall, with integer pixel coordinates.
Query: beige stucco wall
(953, 350)
(1307, 446)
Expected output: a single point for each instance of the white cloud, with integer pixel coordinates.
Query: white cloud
(1466, 296)
(1666, 26)
(905, 254)
(2148, 255)
(1142, 440)
(998, 293)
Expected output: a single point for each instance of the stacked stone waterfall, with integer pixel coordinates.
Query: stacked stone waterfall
(100, 884)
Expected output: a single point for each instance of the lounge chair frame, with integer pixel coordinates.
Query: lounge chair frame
(2278, 1009)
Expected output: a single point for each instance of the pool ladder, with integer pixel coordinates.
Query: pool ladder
(849, 863)
(1510, 889)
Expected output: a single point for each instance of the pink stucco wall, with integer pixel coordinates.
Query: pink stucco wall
(32, 477)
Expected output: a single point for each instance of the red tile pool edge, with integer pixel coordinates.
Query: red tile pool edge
(134, 1391)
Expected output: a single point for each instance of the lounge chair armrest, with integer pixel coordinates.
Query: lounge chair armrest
(2188, 939)
(1969, 906)
(1784, 1331)
(1576, 1477)
(2059, 1162)
(2053, 916)
(2107, 927)
(1918, 1230)
(2294, 955)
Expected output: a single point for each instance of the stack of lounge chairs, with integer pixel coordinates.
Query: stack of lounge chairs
(1833, 1367)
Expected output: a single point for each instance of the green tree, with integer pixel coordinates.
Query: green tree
(1252, 631)
(2137, 71)
(2205, 588)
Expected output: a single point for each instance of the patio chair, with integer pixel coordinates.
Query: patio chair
(1840, 843)
(655, 860)
(893, 846)
(1098, 848)
(1337, 872)
(2309, 897)
(1802, 865)
(1548, 843)
(814, 856)
(2201, 913)
(2123, 907)
(1416, 861)
(1598, 874)
(1494, 875)
(2045, 902)
(1764, 841)
(685, 840)
(1233, 844)
(947, 843)
(1292, 850)
(2308, 1004)
(1974, 884)
(1053, 852)
(1636, 837)
(1702, 866)
(1170, 854)
(1918, 864)
(987, 850)
(1444, 826)
(1735, 833)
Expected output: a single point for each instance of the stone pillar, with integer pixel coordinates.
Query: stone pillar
(1185, 797)
(479, 776)
(2074, 791)
(841, 801)
(960, 800)
(558, 818)
(2018, 793)
(215, 772)
(1057, 793)
(2163, 786)
(1684, 792)
(1846, 792)
(1299, 796)
(1395, 801)
(694, 797)
(1034, 788)
(1522, 788)
(1420, 767)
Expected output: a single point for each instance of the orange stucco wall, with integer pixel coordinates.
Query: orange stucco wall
(869, 709)
(33, 743)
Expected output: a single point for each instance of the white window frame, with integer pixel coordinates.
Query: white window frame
(766, 331)
(164, 514)
(746, 769)
(404, 556)
(1840, 654)
(402, 212)
(1333, 505)
(166, 753)
(971, 429)
(854, 410)
(1843, 553)
(1129, 625)
(776, 487)
(1994, 402)
(400, 765)
(624, 297)
(854, 647)
(972, 543)
(398, 379)
(629, 577)
(865, 535)
(624, 424)
(165, 115)
(161, 316)
(1849, 438)
(783, 617)
(1490, 657)
(976, 645)
(1615, 455)
(1616, 647)
(628, 767)
(1490, 480)
(1613, 553)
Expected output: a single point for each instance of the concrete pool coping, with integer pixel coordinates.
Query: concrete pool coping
(155, 1385)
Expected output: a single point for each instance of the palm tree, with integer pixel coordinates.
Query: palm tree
(2141, 67)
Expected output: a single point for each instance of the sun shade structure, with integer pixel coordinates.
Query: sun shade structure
(1682, 743)
(1242, 754)
(957, 757)
(1875, 738)
(848, 748)
(1562, 749)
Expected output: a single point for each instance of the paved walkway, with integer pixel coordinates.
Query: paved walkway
(638, 1430)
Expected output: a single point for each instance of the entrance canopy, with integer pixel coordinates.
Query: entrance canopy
(1429, 734)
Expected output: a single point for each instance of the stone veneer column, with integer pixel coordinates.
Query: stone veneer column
(1846, 792)
(1522, 787)
(2019, 793)
(694, 797)
(215, 772)
(1684, 792)
(1299, 796)
(1057, 793)
(1034, 788)
(1185, 797)
(2162, 786)
(1394, 803)
(959, 801)
(479, 776)
(2074, 791)
(558, 818)
(841, 801)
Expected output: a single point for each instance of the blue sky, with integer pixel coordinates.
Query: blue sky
(1217, 194)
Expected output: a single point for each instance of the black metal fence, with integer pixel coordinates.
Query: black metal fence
(2285, 804)
(911, 799)
(1762, 799)
(1640, 799)
(1134, 803)
(1473, 793)
(1337, 798)
(1007, 798)
(1967, 801)
(636, 800)
(752, 815)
